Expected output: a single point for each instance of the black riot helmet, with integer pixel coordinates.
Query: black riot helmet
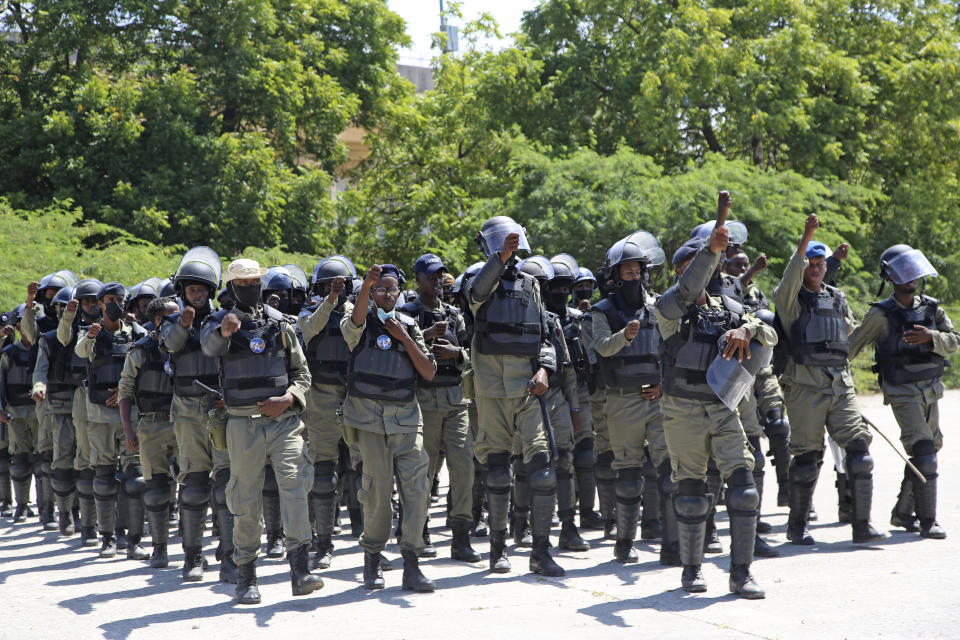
(565, 268)
(299, 288)
(539, 267)
(59, 280)
(87, 288)
(277, 281)
(495, 230)
(460, 283)
(331, 268)
(167, 290)
(639, 246)
(902, 264)
(585, 275)
(62, 299)
(199, 265)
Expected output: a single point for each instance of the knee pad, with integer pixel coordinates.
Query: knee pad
(564, 461)
(857, 446)
(803, 471)
(758, 459)
(324, 479)
(629, 485)
(63, 482)
(584, 445)
(691, 509)
(498, 479)
(584, 459)
(134, 486)
(198, 479)
(195, 497)
(742, 496)
(270, 487)
(923, 448)
(105, 483)
(20, 466)
(85, 482)
(924, 458)
(859, 461)
(604, 470)
(543, 480)
(156, 495)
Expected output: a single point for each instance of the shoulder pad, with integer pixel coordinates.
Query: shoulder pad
(405, 319)
(574, 313)
(928, 300)
(886, 304)
(604, 305)
(143, 342)
(409, 308)
(216, 316)
(273, 314)
(51, 335)
(732, 305)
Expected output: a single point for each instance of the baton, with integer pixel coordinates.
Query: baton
(547, 425)
(894, 447)
(209, 390)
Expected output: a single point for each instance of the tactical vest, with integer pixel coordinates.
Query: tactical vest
(154, 386)
(557, 339)
(18, 381)
(510, 322)
(47, 323)
(190, 363)
(688, 353)
(726, 285)
(818, 338)
(256, 366)
(573, 334)
(755, 304)
(448, 375)
(327, 352)
(638, 363)
(109, 352)
(66, 371)
(899, 362)
(380, 367)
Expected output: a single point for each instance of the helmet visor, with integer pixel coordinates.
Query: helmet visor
(909, 266)
(494, 236)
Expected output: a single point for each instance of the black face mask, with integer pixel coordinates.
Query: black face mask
(556, 300)
(582, 294)
(114, 311)
(632, 292)
(247, 297)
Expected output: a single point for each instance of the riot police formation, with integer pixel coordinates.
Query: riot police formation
(134, 413)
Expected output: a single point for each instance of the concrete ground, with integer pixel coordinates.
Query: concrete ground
(899, 588)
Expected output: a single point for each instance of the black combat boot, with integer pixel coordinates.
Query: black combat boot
(460, 548)
(247, 591)
(302, 582)
(566, 502)
(108, 544)
(192, 564)
(924, 458)
(323, 557)
(413, 579)
(499, 562)
(429, 551)
(540, 560)
(902, 515)
(372, 572)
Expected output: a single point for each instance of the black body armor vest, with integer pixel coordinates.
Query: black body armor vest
(819, 336)
(18, 382)
(689, 352)
(256, 365)
(190, 363)
(899, 362)
(380, 368)
(447, 373)
(327, 352)
(638, 364)
(109, 352)
(154, 391)
(66, 371)
(510, 322)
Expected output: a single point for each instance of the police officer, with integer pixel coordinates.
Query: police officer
(912, 336)
(40, 312)
(583, 287)
(57, 375)
(512, 356)
(139, 298)
(145, 381)
(697, 425)
(442, 406)
(105, 344)
(628, 347)
(69, 328)
(196, 280)
(562, 402)
(818, 387)
(381, 415)
(18, 415)
(264, 377)
(299, 284)
(327, 356)
(566, 273)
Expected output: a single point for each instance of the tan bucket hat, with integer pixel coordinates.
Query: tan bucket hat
(242, 269)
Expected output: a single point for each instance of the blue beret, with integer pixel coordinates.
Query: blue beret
(392, 270)
(112, 288)
(688, 249)
(816, 249)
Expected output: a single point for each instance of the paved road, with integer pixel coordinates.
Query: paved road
(900, 588)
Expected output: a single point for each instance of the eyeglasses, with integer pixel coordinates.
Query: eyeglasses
(385, 290)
